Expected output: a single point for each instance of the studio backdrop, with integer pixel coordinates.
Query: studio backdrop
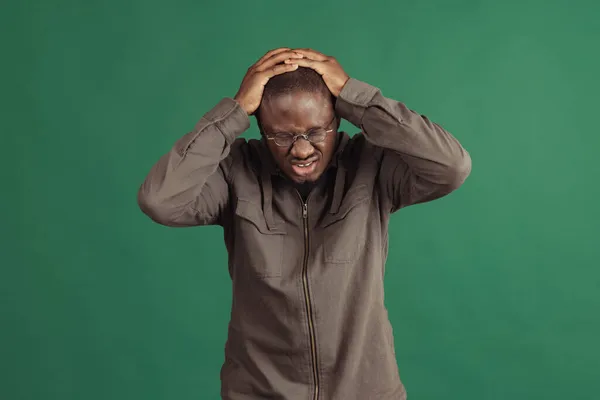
(493, 291)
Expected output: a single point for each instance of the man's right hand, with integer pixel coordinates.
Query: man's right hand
(251, 90)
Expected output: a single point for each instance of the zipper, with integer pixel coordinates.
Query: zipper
(311, 327)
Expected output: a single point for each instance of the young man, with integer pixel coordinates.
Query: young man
(305, 214)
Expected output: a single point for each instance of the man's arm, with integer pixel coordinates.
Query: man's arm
(421, 161)
(189, 185)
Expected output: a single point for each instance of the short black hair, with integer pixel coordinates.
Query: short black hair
(302, 79)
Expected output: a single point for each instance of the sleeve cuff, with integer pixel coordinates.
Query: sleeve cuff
(353, 100)
(230, 118)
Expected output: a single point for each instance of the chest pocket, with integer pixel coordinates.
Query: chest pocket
(258, 250)
(344, 232)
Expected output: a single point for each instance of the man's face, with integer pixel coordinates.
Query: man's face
(300, 112)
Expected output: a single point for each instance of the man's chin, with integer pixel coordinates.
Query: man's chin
(303, 179)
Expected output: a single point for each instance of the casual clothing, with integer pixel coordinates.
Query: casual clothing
(308, 318)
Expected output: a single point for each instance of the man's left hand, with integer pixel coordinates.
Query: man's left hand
(328, 67)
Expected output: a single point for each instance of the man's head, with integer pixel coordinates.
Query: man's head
(299, 102)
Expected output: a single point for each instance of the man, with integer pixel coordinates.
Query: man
(305, 214)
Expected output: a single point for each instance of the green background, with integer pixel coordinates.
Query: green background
(493, 291)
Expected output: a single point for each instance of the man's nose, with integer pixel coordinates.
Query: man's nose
(302, 148)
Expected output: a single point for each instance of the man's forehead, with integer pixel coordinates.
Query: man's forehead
(297, 109)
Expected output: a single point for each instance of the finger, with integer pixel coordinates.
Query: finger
(277, 59)
(271, 53)
(277, 70)
(312, 54)
(318, 66)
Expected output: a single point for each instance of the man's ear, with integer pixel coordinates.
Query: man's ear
(338, 119)
(256, 114)
(258, 124)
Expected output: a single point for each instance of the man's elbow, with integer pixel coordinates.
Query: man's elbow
(459, 171)
(156, 209)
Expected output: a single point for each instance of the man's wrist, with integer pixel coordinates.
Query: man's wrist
(231, 117)
(354, 99)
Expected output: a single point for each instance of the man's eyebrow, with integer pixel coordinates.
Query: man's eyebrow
(324, 125)
(312, 128)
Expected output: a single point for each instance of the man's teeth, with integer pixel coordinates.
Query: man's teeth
(305, 165)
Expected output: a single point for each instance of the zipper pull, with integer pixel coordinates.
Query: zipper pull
(304, 211)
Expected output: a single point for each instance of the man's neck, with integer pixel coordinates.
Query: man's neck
(304, 189)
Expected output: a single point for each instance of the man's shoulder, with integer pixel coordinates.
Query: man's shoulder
(358, 148)
(246, 148)
(245, 155)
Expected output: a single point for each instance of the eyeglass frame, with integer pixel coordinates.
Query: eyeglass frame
(304, 135)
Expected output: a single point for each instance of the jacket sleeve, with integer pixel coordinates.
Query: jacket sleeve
(188, 186)
(420, 160)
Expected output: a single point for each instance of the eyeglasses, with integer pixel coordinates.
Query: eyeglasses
(286, 139)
